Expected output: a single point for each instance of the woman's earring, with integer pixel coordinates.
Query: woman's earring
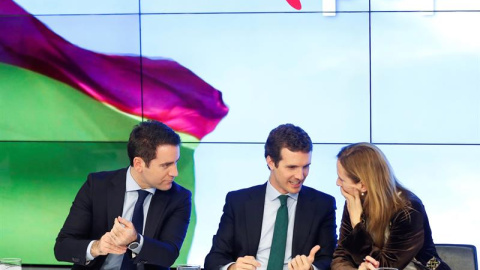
(363, 193)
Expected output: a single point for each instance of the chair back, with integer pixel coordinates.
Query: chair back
(458, 256)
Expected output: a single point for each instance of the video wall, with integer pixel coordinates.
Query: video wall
(75, 77)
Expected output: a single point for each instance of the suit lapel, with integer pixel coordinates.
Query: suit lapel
(156, 212)
(115, 197)
(303, 221)
(254, 216)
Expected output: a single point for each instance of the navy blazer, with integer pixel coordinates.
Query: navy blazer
(100, 200)
(240, 227)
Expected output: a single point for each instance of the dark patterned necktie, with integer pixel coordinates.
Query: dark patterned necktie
(137, 220)
(279, 241)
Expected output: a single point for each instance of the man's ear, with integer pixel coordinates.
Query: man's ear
(138, 164)
(270, 163)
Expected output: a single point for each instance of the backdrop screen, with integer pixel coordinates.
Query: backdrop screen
(76, 77)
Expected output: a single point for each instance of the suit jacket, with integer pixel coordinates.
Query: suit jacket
(240, 227)
(100, 200)
(409, 240)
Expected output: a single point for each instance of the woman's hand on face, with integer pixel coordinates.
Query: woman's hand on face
(354, 205)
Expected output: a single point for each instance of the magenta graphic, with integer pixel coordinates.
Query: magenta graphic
(152, 88)
(296, 4)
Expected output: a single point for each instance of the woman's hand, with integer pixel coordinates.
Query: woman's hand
(366, 266)
(354, 205)
(369, 264)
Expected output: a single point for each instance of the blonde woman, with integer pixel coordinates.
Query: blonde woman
(383, 223)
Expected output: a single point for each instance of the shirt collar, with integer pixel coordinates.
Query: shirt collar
(272, 194)
(132, 185)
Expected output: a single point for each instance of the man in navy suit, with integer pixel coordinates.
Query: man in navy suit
(98, 232)
(245, 233)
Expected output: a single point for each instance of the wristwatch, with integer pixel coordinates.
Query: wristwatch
(133, 245)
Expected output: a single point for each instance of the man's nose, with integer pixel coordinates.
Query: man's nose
(174, 171)
(301, 174)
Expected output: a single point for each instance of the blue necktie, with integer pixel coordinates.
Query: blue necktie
(137, 220)
(279, 241)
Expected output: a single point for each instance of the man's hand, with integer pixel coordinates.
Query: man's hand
(302, 262)
(123, 232)
(105, 246)
(247, 262)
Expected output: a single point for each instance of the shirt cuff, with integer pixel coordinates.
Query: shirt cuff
(89, 256)
(140, 245)
(225, 267)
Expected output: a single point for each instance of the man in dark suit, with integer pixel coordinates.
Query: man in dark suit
(98, 232)
(244, 237)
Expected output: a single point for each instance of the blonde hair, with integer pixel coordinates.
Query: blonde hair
(364, 162)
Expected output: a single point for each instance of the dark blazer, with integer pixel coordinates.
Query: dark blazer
(410, 240)
(240, 227)
(100, 200)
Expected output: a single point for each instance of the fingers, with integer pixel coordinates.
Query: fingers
(293, 264)
(356, 197)
(116, 222)
(301, 262)
(116, 240)
(345, 194)
(110, 246)
(356, 192)
(249, 260)
(366, 266)
(363, 266)
(369, 264)
(372, 261)
(247, 263)
(304, 261)
(354, 204)
(290, 267)
(311, 256)
(115, 236)
(106, 245)
(123, 232)
(124, 222)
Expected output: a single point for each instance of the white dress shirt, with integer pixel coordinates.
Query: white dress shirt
(270, 208)
(114, 261)
(272, 203)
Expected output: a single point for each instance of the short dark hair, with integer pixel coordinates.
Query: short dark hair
(146, 137)
(289, 136)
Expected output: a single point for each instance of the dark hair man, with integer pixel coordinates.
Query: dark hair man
(136, 216)
(247, 236)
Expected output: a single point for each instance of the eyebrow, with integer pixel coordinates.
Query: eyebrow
(169, 162)
(293, 166)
